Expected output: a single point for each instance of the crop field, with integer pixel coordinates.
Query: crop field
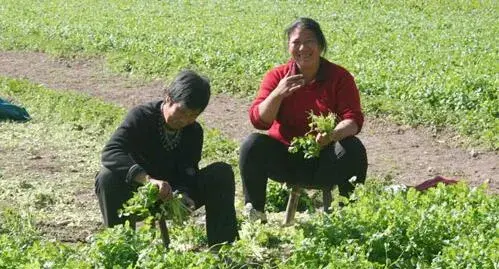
(429, 63)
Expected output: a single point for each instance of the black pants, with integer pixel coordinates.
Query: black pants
(262, 157)
(214, 188)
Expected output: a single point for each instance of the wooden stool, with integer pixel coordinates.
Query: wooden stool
(294, 196)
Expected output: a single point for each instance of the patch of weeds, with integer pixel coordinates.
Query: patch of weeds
(217, 147)
(43, 200)
(189, 236)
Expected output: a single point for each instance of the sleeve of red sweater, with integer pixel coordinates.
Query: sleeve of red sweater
(348, 100)
(269, 83)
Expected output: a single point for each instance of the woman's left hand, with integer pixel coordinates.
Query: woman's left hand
(344, 128)
(324, 139)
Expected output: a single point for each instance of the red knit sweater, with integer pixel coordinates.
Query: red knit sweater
(333, 90)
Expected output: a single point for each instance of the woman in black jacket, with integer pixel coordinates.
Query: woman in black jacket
(161, 142)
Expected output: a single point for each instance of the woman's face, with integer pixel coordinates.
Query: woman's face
(304, 48)
(178, 116)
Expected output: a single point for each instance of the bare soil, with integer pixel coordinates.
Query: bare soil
(401, 153)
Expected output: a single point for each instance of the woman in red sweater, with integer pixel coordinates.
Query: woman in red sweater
(307, 82)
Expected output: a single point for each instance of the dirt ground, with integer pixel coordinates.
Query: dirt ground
(402, 153)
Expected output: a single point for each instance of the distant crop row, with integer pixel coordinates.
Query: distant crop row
(429, 62)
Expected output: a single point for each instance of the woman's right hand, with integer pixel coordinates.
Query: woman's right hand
(269, 107)
(288, 85)
(165, 190)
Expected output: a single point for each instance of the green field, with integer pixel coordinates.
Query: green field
(446, 227)
(418, 62)
(44, 208)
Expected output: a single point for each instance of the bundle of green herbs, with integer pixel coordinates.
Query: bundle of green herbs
(145, 203)
(319, 124)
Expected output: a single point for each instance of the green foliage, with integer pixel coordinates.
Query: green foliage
(217, 147)
(277, 198)
(321, 123)
(443, 227)
(145, 203)
(402, 229)
(306, 144)
(189, 236)
(261, 246)
(160, 259)
(82, 113)
(20, 226)
(120, 246)
(23, 247)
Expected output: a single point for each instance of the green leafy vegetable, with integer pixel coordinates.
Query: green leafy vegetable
(307, 144)
(146, 203)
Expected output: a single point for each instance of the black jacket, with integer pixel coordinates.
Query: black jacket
(137, 146)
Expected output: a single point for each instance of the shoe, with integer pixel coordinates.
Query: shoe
(254, 215)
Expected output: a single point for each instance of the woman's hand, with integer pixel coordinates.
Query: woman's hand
(324, 139)
(343, 129)
(288, 85)
(165, 190)
(269, 107)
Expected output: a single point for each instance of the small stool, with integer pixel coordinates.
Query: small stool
(294, 196)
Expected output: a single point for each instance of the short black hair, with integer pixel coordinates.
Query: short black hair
(309, 24)
(189, 89)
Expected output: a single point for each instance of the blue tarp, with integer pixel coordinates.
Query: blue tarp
(10, 111)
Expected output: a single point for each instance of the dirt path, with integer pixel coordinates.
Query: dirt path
(407, 155)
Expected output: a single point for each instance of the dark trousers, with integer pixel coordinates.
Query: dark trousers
(262, 157)
(214, 188)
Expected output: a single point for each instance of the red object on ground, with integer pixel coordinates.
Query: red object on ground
(433, 182)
